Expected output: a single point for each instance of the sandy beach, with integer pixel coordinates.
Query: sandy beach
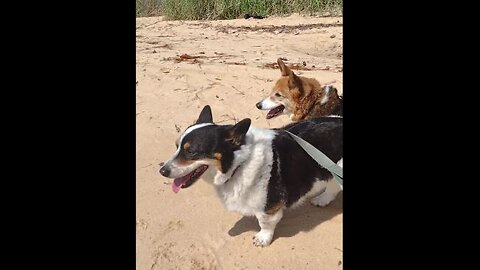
(182, 66)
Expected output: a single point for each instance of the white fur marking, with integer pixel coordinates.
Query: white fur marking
(327, 89)
(188, 130)
(267, 224)
(324, 99)
(328, 195)
(179, 171)
(340, 162)
(318, 186)
(246, 190)
(268, 104)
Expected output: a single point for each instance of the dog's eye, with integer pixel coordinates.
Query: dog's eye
(191, 154)
(278, 95)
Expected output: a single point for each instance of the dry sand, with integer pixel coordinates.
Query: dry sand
(192, 229)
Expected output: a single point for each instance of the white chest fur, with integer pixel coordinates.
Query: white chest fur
(246, 191)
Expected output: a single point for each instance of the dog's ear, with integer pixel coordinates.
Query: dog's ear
(295, 84)
(236, 133)
(283, 68)
(293, 80)
(205, 116)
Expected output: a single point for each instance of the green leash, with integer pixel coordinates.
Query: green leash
(320, 158)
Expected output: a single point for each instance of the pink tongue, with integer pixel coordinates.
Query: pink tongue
(273, 112)
(178, 182)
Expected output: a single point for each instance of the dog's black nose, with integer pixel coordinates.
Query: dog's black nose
(164, 171)
(259, 105)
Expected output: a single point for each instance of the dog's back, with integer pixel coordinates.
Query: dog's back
(328, 102)
(294, 173)
(325, 133)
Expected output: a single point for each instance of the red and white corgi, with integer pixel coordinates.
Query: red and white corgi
(301, 98)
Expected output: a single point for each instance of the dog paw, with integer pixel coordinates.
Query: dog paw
(262, 239)
(323, 199)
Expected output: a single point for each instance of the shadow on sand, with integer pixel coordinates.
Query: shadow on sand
(301, 219)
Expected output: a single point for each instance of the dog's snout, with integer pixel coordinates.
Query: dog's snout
(259, 105)
(165, 171)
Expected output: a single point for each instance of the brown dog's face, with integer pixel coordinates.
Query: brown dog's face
(285, 94)
(279, 100)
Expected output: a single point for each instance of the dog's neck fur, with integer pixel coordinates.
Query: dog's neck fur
(240, 156)
(244, 183)
(317, 103)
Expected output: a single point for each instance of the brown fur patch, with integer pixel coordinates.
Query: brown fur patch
(283, 68)
(303, 96)
(274, 209)
(218, 164)
(186, 145)
(184, 162)
(218, 156)
(281, 86)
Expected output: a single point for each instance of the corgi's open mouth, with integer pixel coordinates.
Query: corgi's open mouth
(275, 111)
(189, 179)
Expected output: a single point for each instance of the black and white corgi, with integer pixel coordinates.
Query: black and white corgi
(256, 171)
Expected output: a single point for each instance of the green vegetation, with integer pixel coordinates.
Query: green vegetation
(232, 9)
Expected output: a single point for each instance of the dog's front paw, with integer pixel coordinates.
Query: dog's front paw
(323, 199)
(262, 239)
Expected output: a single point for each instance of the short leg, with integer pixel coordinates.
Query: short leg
(267, 225)
(333, 187)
